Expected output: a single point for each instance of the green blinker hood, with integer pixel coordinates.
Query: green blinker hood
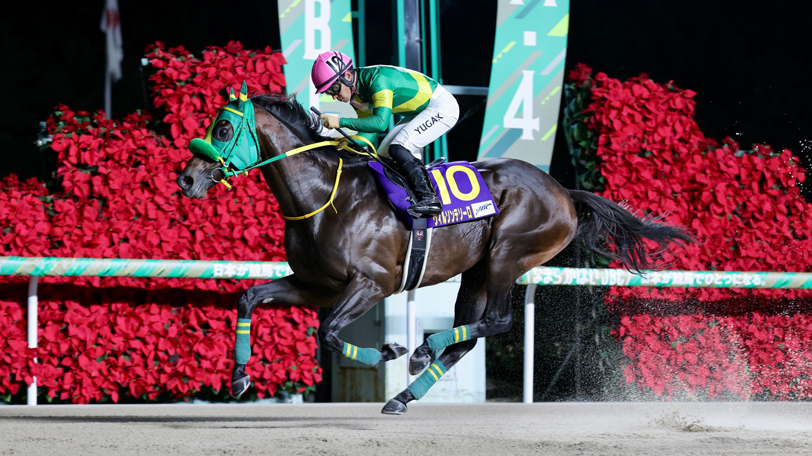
(242, 150)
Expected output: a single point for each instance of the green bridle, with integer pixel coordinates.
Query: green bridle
(240, 154)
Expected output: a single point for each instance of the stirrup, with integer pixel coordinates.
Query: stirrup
(426, 208)
(436, 162)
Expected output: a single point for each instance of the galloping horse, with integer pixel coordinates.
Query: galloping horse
(350, 253)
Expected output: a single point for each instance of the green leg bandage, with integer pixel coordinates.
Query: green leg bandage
(242, 346)
(421, 386)
(366, 356)
(442, 340)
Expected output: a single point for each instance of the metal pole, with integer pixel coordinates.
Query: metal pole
(411, 330)
(529, 342)
(33, 324)
(362, 34)
(108, 92)
(409, 57)
(440, 146)
(400, 42)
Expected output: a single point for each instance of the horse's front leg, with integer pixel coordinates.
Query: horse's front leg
(288, 291)
(359, 297)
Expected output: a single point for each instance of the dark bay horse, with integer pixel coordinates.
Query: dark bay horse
(351, 254)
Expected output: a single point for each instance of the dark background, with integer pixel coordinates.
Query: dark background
(747, 61)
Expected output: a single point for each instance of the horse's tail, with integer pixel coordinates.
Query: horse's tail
(601, 219)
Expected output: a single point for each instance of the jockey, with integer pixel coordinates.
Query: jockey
(376, 92)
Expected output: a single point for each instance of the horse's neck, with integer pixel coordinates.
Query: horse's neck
(303, 182)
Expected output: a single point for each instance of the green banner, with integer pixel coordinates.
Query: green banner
(201, 269)
(527, 73)
(308, 28)
(681, 279)
(114, 267)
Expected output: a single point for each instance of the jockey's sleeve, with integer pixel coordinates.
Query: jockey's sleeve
(378, 120)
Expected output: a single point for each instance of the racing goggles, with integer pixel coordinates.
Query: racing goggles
(334, 89)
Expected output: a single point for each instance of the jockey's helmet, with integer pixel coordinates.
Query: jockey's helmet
(328, 71)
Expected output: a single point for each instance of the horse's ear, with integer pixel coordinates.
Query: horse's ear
(231, 95)
(243, 94)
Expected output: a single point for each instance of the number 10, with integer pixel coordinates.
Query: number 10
(452, 183)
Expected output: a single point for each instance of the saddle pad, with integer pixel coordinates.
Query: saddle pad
(460, 187)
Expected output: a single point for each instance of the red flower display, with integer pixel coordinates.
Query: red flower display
(748, 212)
(146, 339)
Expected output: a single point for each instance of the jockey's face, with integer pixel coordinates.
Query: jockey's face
(345, 93)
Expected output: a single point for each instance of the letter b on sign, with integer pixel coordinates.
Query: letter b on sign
(313, 24)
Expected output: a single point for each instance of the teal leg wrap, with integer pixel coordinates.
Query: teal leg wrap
(442, 340)
(365, 356)
(421, 386)
(242, 346)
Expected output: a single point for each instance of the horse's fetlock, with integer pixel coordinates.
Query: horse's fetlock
(499, 323)
(329, 339)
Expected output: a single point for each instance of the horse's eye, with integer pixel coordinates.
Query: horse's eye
(222, 131)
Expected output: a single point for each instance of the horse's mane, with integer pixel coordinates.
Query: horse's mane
(291, 113)
(288, 110)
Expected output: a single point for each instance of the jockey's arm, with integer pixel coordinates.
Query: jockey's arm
(378, 120)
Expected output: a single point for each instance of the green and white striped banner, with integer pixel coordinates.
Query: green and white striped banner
(199, 269)
(527, 73)
(114, 267)
(682, 279)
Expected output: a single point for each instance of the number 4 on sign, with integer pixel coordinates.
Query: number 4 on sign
(524, 97)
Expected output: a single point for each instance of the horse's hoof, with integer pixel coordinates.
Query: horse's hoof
(394, 407)
(240, 385)
(418, 363)
(391, 350)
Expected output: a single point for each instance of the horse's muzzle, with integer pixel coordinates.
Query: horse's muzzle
(189, 187)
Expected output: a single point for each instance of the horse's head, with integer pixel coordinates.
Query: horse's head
(230, 145)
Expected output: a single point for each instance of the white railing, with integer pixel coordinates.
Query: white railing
(35, 267)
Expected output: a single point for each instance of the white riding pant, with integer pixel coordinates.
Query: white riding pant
(416, 132)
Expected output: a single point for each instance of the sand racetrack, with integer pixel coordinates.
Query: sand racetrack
(427, 429)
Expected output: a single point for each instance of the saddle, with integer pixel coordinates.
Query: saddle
(464, 199)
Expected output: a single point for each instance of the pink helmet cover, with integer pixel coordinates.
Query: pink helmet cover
(328, 67)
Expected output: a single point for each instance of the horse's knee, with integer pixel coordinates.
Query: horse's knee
(246, 304)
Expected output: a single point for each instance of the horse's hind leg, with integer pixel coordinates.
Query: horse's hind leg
(288, 291)
(470, 305)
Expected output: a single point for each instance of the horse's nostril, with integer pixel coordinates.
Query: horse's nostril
(186, 182)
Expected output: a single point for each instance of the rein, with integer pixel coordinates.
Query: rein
(242, 150)
(317, 145)
(338, 172)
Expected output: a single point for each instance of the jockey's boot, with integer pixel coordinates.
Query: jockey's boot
(427, 202)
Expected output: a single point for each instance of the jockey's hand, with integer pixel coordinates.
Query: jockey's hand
(342, 143)
(329, 121)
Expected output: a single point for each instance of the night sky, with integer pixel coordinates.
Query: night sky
(747, 61)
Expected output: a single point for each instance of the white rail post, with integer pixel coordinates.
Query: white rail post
(529, 343)
(33, 324)
(411, 331)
